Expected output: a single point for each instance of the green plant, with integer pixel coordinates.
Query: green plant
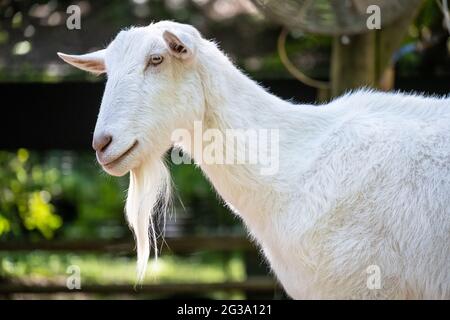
(26, 191)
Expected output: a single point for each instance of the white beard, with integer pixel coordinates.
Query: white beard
(148, 194)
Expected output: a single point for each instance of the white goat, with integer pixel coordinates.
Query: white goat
(363, 186)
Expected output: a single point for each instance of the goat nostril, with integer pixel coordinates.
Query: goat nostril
(107, 142)
(101, 142)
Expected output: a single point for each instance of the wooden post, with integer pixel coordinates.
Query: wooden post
(389, 39)
(365, 59)
(353, 63)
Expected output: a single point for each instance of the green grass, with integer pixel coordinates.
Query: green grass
(42, 267)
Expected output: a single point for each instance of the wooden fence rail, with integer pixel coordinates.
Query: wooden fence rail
(185, 244)
(253, 285)
(258, 285)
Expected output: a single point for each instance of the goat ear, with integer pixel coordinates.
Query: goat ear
(93, 62)
(180, 45)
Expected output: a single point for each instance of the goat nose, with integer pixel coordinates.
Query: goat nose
(101, 142)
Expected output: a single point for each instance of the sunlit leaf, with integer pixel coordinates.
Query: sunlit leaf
(23, 155)
(40, 214)
(22, 48)
(5, 226)
(17, 20)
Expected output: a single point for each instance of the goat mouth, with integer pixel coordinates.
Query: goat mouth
(114, 162)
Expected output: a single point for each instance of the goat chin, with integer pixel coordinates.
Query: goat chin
(148, 197)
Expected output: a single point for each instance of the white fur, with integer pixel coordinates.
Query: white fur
(363, 180)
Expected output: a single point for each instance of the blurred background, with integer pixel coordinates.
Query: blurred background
(61, 217)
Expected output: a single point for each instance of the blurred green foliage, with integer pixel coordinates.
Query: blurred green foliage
(66, 194)
(95, 269)
(40, 192)
(25, 195)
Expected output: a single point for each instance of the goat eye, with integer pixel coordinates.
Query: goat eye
(154, 60)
